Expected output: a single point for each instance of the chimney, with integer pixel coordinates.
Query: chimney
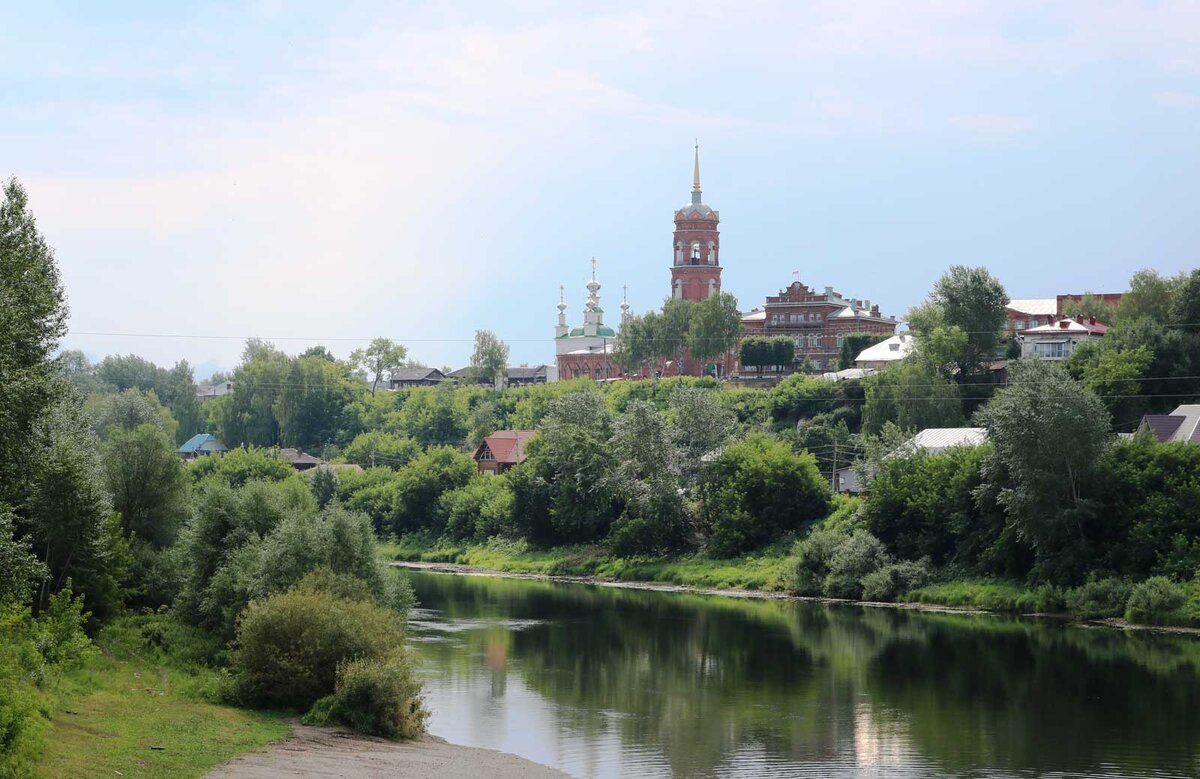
(1091, 320)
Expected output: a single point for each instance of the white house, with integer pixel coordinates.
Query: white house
(1057, 340)
(886, 352)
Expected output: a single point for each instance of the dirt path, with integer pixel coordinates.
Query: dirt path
(326, 752)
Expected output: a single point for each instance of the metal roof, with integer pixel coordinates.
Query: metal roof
(1034, 306)
(1182, 424)
(895, 348)
(938, 439)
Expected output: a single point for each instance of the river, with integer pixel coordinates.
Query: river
(600, 681)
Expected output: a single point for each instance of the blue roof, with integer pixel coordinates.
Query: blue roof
(202, 442)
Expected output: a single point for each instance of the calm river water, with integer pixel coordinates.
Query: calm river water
(607, 682)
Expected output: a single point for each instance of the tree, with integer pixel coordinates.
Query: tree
(566, 495)
(638, 343)
(75, 532)
(33, 317)
(754, 352)
(757, 490)
(715, 327)
(1049, 436)
(1149, 297)
(913, 396)
(310, 408)
(247, 414)
(676, 323)
(75, 369)
(378, 447)
(700, 425)
(960, 322)
(432, 416)
(1185, 305)
(1115, 376)
(490, 358)
(148, 483)
(378, 359)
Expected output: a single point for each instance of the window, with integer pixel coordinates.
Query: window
(486, 454)
(1055, 350)
(841, 337)
(1019, 324)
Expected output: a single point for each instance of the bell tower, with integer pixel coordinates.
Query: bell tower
(696, 269)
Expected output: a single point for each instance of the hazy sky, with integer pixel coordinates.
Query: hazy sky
(422, 170)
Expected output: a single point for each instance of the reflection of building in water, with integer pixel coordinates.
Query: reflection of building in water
(879, 740)
(495, 657)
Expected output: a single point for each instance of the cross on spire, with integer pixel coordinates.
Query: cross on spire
(696, 169)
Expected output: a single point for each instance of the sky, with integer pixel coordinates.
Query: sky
(327, 173)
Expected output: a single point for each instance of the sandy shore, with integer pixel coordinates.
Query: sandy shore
(328, 752)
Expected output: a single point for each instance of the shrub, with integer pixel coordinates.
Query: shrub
(379, 696)
(289, 645)
(891, 581)
(1154, 601)
(1099, 598)
(858, 555)
(812, 560)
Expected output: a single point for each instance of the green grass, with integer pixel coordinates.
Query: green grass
(131, 712)
(763, 571)
(989, 595)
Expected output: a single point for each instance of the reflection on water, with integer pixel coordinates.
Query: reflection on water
(607, 682)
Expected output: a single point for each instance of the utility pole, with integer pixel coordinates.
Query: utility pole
(833, 473)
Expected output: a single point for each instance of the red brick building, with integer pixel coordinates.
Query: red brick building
(696, 269)
(816, 322)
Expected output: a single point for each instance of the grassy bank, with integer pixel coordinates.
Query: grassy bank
(770, 571)
(763, 571)
(134, 710)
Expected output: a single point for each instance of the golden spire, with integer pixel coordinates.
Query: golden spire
(696, 169)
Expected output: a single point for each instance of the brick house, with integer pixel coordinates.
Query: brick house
(816, 321)
(501, 450)
(1024, 313)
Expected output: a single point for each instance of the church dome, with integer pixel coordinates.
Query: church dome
(695, 211)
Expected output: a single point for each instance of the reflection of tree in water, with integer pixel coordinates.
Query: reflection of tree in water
(1024, 695)
(700, 678)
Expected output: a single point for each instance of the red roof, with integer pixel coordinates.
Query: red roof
(1079, 324)
(507, 446)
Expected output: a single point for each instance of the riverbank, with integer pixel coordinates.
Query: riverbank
(1003, 599)
(331, 752)
(764, 572)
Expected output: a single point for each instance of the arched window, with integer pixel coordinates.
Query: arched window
(696, 253)
(597, 373)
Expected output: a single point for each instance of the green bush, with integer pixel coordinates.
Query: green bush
(1154, 601)
(812, 556)
(892, 581)
(380, 696)
(836, 564)
(859, 555)
(1099, 598)
(289, 645)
